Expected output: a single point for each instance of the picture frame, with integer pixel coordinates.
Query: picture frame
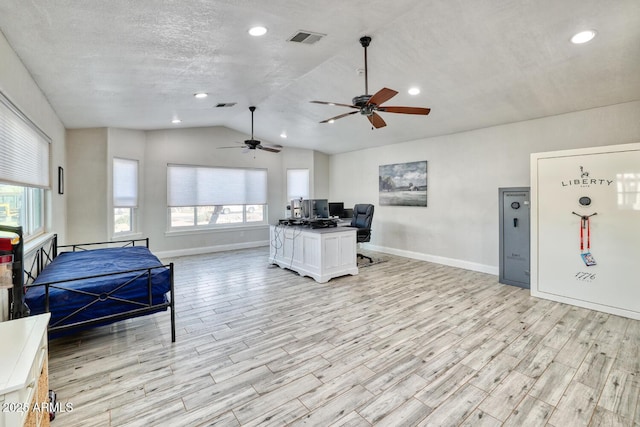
(403, 184)
(60, 180)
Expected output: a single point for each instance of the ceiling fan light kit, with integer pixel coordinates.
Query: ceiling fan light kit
(368, 105)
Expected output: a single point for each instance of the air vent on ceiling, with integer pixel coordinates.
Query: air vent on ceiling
(306, 37)
(225, 104)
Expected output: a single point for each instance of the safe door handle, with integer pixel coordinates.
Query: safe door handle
(515, 222)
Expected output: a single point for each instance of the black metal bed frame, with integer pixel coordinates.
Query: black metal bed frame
(45, 253)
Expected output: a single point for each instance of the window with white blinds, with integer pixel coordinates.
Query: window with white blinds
(125, 183)
(208, 186)
(297, 184)
(24, 147)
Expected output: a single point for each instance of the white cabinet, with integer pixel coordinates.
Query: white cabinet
(322, 253)
(23, 371)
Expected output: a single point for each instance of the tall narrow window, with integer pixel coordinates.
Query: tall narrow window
(24, 169)
(125, 195)
(209, 197)
(297, 184)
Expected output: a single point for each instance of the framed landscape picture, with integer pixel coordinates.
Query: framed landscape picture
(403, 184)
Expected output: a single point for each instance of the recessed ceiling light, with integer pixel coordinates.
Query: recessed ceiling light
(414, 91)
(583, 37)
(283, 135)
(176, 121)
(258, 31)
(200, 95)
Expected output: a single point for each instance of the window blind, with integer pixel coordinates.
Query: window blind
(297, 184)
(208, 186)
(125, 183)
(24, 148)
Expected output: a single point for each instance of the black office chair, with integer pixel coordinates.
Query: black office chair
(362, 218)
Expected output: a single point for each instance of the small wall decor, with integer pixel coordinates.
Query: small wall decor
(60, 180)
(403, 184)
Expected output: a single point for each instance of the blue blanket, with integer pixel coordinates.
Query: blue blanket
(99, 296)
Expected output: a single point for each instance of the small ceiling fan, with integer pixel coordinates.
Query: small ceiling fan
(252, 144)
(369, 105)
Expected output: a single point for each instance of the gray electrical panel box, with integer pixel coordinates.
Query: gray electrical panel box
(515, 239)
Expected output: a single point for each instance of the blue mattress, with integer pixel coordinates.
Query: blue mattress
(72, 265)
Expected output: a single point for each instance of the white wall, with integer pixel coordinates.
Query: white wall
(464, 172)
(18, 85)
(321, 170)
(460, 225)
(126, 144)
(91, 153)
(295, 158)
(86, 181)
(198, 146)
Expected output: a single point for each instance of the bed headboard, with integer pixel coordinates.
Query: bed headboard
(38, 257)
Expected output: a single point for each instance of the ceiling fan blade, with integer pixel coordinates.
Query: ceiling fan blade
(405, 110)
(271, 150)
(334, 103)
(339, 117)
(376, 120)
(382, 95)
(231, 147)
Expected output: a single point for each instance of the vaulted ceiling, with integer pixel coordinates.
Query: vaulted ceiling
(137, 64)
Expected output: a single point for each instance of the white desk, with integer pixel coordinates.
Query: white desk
(321, 253)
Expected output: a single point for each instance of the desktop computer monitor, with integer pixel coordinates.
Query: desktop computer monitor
(315, 208)
(336, 209)
(321, 208)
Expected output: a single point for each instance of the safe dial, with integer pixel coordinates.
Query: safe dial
(584, 201)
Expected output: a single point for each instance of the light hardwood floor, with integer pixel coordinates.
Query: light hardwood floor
(403, 343)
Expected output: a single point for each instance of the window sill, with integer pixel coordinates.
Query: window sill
(221, 229)
(127, 236)
(36, 242)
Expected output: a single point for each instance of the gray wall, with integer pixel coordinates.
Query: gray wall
(460, 225)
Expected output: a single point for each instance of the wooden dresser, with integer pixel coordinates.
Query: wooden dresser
(24, 382)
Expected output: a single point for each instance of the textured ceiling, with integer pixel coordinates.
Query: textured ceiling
(137, 64)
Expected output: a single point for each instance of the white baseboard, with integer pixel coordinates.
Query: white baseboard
(452, 262)
(210, 249)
